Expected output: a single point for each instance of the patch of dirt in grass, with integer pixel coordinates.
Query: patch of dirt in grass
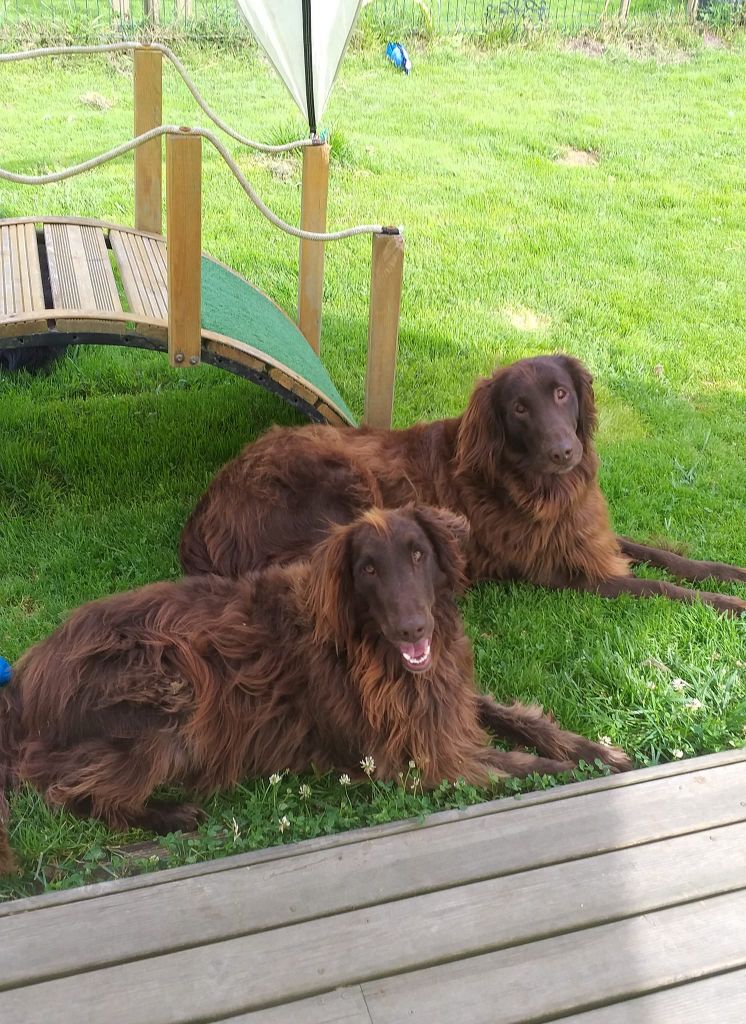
(96, 101)
(524, 319)
(712, 41)
(618, 421)
(281, 168)
(570, 157)
(28, 606)
(588, 47)
(640, 48)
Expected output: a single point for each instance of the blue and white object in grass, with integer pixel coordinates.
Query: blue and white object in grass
(399, 57)
(6, 672)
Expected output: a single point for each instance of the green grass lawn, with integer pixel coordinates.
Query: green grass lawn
(635, 264)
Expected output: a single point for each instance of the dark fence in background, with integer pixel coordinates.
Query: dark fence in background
(213, 18)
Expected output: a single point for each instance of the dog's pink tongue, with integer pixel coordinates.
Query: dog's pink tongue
(415, 650)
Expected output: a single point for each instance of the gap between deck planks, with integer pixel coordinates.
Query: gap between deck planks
(413, 931)
(717, 999)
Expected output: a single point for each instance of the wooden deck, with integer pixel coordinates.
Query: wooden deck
(617, 901)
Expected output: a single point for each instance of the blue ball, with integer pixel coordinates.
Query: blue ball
(6, 671)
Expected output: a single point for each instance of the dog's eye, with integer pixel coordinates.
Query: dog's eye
(519, 409)
(560, 394)
(416, 555)
(369, 568)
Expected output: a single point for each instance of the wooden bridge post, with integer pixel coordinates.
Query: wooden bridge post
(311, 260)
(184, 246)
(148, 114)
(383, 326)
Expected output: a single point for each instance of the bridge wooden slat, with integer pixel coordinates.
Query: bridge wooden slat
(143, 270)
(81, 275)
(21, 290)
(240, 974)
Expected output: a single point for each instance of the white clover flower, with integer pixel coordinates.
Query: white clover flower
(274, 779)
(678, 754)
(368, 765)
(650, 684)
(606, 740)
(693, 704)
(679, 684)
(412, 764)
(283, 823)
(344, 780)
(305, 791)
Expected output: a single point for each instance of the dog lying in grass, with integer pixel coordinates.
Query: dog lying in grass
(519, 464)
(358, 652)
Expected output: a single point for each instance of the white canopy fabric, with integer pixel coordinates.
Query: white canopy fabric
(305, 40)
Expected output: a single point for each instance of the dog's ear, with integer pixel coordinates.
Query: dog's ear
(481, 436)
(448, 533)
(330, 596)
(583, 383)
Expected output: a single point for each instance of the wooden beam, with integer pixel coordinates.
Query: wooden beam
(184, 246)
(623, 9)
(148, 114)
(383, 326)
(311, 260)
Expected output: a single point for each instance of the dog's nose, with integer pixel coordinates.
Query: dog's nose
(412, 630)
(561, 454)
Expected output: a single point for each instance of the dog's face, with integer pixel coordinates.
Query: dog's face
(540, 407)
(538, 412)
(387, 571)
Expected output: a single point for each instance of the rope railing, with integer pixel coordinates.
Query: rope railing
(205, 133)
(59, 51)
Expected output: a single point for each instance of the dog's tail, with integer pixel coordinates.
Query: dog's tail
(10, 720)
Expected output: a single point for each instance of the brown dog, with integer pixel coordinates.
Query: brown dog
(519, 464)
(358, 652)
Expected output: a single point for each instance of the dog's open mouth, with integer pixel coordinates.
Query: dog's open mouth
(416, 657)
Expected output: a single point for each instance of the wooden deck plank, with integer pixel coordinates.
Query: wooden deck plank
(325, 953)
(560, 975)
(80, 274)
(717, 1000)
(21, 290)
(704, 802)
(343, 1006)
(142, 272)
(208, 908)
